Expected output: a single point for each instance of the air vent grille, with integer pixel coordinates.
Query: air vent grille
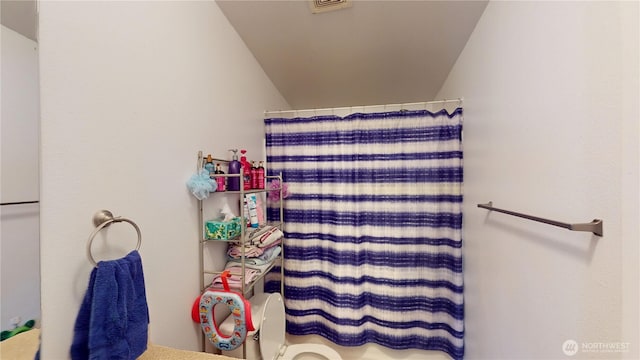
(318, 6)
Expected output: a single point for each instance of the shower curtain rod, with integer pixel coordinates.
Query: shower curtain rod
(424, 103)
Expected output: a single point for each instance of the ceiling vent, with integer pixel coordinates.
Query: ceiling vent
(320, 6)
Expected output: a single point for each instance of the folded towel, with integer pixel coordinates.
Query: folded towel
(254, 267)
(235, 251)
(235, 280)
(250, 251)
(261, 268)
(265, 236)
(270, 254)
(267, 257)
(113, 319)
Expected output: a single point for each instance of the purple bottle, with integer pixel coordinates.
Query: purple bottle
(233, 182)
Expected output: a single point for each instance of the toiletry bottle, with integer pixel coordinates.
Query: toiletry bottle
(209, 166)
(259, 211)
(220, 180)
(245, 213)
(254, 175)
(261, 176)
(252, 200)
(246, 170)
(233, 184)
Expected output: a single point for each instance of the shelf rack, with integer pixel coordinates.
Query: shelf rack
(245, 288)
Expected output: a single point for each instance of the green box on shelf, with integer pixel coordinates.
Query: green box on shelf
(222, 230)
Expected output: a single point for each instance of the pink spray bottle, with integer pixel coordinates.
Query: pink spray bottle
(246, 170)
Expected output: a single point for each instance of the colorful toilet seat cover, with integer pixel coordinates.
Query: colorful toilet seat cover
(240, 311)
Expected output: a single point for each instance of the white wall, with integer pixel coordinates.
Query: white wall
(551, 129)
(19, 129)
(130, 92)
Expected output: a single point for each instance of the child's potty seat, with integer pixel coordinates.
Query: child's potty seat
(272, 332)
(240, 312)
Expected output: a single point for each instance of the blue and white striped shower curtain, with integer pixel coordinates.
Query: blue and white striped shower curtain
(373, 227)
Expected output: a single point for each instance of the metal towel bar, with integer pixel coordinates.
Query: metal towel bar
(595, 226)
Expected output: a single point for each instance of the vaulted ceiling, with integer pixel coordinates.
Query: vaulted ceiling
(20, 16)
(373, 52)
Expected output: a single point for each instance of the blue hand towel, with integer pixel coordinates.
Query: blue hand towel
(113, 319)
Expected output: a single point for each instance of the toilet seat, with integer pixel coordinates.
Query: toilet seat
(272, 327)
(318, 349)
(272, 331)
(269, 320)
(240, 309)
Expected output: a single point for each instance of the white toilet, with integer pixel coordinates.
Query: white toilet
(267, 311)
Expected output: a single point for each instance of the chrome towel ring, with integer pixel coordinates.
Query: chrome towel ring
(102, 219)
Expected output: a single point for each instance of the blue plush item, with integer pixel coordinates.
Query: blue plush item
(201, 184)
(113, 319)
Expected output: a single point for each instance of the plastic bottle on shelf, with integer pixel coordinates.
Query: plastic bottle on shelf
(209, 166)
(252, 201)
(220, 180)
(233, 184)
(259, 211)
(261, 175)
(246, 170)
(254, 175)
(245, 214)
